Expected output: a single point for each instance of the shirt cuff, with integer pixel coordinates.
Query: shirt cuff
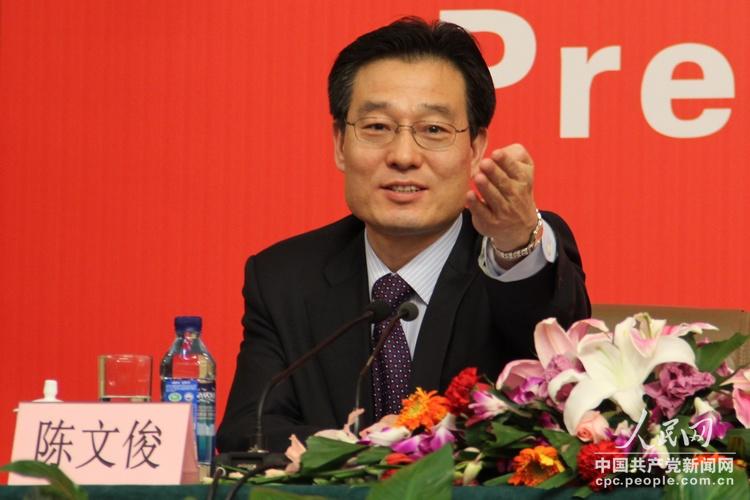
(529, 266)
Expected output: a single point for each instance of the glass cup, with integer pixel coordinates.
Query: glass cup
(125, 377)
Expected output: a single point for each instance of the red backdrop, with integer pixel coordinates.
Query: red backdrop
(148, 147)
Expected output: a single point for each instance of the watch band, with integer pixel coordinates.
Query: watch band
(526, 250)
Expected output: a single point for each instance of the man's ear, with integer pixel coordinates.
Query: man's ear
(478, 147)
(338, 147)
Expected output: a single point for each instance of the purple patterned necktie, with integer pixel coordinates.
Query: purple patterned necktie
(391, 370)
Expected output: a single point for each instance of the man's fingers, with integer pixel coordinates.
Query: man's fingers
(498, 177)
(482, 215)
(495, 198)
(514, 161)
(515, 152)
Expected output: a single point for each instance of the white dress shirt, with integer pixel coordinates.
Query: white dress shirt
(422, 272)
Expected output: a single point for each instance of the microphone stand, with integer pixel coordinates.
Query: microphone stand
(257, 458)
(408, 312)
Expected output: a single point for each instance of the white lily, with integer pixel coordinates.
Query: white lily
(616, 370)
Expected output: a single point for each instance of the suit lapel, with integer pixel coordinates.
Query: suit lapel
(344, 298)
(437, 327)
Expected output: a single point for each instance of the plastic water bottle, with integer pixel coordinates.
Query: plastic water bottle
(188, 373)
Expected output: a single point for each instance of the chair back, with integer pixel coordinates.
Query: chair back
(728, 321)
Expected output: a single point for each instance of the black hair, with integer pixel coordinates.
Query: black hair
(411, 38)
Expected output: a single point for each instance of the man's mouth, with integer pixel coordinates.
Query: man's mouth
(404, 189)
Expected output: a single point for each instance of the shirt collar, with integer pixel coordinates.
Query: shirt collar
(422, 272)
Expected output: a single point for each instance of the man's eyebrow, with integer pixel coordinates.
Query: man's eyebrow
(441, 109)
(369, 106)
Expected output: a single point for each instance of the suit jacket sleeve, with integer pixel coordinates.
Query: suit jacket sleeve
(558, 290)
(262, 355)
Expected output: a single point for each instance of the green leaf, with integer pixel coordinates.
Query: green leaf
(430, 477)
(272, 494)
(344, 473)
(60, 485)
(710, 356)
(683, 424)
(376, 470)
(324, 453)
(477, 435)
(582, 492)
(269, 480)
(373, 455)
(497, 481)
(567, 445)
(505, 434)
(738, 441)
(557, 480)
(706, 486)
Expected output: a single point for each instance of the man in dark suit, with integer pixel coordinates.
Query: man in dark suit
(411, 104)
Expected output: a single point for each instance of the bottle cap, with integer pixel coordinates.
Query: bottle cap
(50, 392)
(186, 323)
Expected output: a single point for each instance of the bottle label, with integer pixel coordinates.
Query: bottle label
(202, 395)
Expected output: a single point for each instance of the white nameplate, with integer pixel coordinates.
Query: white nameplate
(108, 443)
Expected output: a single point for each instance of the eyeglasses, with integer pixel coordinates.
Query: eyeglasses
(378, 131)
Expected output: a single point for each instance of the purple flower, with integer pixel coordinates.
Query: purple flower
(677, 381)
(531, 389)
(724, 370)
(558, 364)
(707, 423)
(424, 444)
(409, 446)
(547, 421)
(485, 406)
(622, 436)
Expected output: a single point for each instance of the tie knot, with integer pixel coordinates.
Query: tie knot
(392, 289)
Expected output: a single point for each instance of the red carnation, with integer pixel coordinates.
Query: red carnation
(395, 459)
(398, 459)
(595, 462)
(459, 390)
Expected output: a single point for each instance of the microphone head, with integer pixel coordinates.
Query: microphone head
(380, 311)
(408, 311)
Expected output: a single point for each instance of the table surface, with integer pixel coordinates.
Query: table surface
(335, 492)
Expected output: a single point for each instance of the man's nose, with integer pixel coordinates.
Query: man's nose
(403, 151)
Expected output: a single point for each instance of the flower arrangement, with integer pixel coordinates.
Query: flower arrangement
(648, 404)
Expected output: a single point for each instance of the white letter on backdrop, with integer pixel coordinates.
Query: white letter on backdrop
(578, 71)
(658, 89)
(517, 34)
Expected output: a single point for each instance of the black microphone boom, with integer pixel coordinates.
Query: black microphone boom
(408, 312)
(375, 312)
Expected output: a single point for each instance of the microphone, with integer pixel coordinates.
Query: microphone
(375, 312)
(408, 312)
(257, 459)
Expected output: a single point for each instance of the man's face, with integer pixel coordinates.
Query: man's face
(402, 189)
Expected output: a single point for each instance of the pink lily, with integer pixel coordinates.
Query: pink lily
(344, 434)
(385, 432)
(650, 330)
(616, 370)
(551, 343)
(294, 454)
(741, 395)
